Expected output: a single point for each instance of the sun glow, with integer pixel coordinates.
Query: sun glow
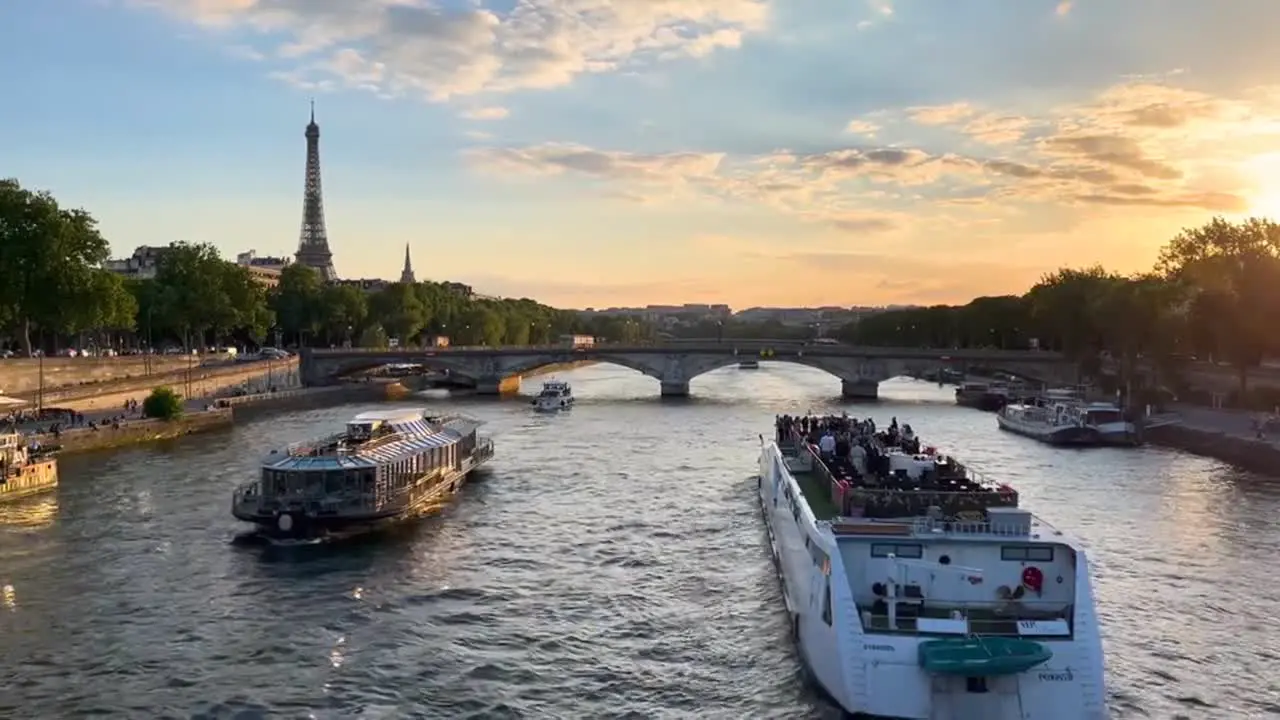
(1263, 173)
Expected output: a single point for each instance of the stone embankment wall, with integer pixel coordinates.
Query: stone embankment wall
(1260, 456)
(204, 382)
(19, 376)
(247, 406)
(131, 432)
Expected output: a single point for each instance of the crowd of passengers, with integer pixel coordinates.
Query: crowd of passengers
(844, 440)
(857, 451)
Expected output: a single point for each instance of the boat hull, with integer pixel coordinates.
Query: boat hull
(986, 401)
(891, 676)
(33, 478)
(300, 525)
(1112, 434)
(552, 406)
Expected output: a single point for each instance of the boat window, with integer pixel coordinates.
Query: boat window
(908, 551)
(1034, 553)
(826, 603)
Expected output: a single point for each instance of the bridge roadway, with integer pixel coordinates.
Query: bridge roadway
(497, 370)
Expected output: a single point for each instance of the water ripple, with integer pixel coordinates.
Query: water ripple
(610, 564)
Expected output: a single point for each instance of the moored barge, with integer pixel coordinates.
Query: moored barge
(385, 467)
(24, 470)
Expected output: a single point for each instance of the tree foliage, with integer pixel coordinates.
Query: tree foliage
(55, 293)
(1212, 295)
(51, 259)
(163, 404)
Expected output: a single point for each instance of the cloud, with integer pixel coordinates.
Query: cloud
(400, 47)
(941, 114)
(486, 113)
(1132, 148)
(862, 127)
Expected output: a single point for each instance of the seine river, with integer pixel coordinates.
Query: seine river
(611, 564)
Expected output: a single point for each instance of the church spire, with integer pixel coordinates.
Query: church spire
(406, 275)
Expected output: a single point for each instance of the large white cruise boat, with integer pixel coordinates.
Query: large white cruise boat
(1060, 417)
(917, 590)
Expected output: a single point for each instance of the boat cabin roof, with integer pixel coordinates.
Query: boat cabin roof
(408, 432)
(399, 414)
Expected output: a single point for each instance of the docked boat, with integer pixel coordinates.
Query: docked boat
(1060, 417)
(989, 396)
(556, 395)
(385, 467)
(24, 470)
(749, 365)
(918, 590)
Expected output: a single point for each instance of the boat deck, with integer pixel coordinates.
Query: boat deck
(817, 494)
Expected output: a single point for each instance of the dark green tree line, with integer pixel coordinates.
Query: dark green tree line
(1213, 295)
(55, 292)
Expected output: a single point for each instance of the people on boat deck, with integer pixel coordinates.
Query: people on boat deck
(855, 451)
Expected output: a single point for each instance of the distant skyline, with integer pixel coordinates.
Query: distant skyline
(635, 152)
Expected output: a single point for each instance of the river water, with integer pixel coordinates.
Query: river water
(610, 564)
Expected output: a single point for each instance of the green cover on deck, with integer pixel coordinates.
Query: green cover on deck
(982, 656)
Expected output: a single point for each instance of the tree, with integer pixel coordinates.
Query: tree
(296, 301)
(343, 308)
(48, 253)
(163, 404)
(192, 286)
(1232, 271)
(373, 336)
(400, 311)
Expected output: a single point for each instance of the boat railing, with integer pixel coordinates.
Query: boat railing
(483, 451)
(895, 501)
(961, 618)
(927, 526)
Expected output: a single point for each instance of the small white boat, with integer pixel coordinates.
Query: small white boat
(1061, 418)
(556, 395)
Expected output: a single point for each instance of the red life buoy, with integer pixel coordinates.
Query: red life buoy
(1033, 579)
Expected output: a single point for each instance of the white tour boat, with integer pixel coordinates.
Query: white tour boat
(918, 591)
(385, 467)
(556, 395)
(1060, 417)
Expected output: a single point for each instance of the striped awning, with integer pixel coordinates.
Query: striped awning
(412, 427)
(408, 447)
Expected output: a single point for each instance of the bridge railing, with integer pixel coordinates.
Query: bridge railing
(917, 353)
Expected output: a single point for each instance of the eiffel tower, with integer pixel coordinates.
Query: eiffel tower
(313, 244)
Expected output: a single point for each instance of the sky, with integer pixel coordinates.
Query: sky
(627, 152)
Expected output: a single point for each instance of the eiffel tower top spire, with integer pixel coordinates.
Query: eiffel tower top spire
(313, 241)
(406, 275)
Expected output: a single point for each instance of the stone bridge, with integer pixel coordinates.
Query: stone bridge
(860, 370)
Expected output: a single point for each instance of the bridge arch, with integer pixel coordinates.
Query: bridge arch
(498, 369)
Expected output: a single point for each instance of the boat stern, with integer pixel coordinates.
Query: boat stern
(993, 678)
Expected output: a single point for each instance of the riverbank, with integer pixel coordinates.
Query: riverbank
(131, 431)
(1226, 435)
(199, 382)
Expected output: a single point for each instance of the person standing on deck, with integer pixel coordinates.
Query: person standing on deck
(827, 445)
